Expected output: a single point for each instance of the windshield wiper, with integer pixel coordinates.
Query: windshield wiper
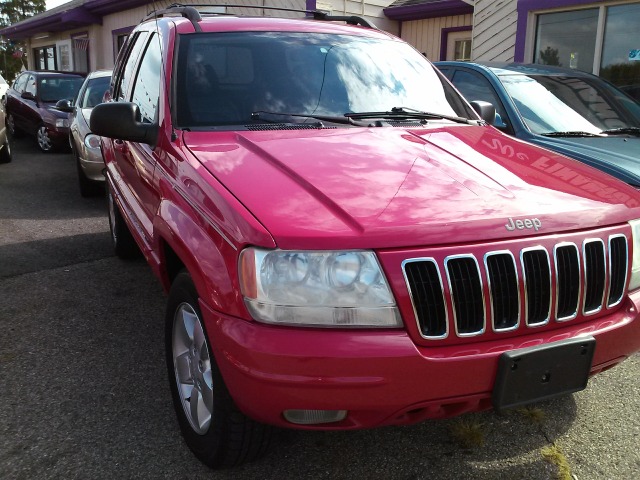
(262, 115)
(623, 131)
(570, 134)
(403, 112)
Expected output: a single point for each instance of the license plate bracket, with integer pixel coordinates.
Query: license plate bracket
(542, 372)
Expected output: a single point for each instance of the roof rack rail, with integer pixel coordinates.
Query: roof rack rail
(190, 12)
(186, 11)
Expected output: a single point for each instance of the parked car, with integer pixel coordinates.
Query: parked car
(31, 106)
(5, 146)
(4, 86)
(84, 144)
(346, 244)
(571, 112)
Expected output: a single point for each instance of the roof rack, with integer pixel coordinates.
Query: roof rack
(191, 13)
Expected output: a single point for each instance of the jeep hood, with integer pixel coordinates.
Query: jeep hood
(393, 187)
(617, 155)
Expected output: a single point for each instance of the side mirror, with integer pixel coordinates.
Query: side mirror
(120, 120)
(28, 95)
(485, 110)
(64, 106)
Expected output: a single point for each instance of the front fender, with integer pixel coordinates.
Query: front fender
(210, 259)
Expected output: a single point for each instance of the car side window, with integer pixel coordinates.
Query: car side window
(474, 86)
(146, 90)
(123, 89)
(30, 87)
(20, 83)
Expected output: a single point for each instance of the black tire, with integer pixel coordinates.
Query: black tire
(227, 438)
(124, 245)
(88, 187)
(5, 152)
(10, 122)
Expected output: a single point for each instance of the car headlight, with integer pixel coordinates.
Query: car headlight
(634, 281)
(326, 289)
(92, 141)
(62, 123)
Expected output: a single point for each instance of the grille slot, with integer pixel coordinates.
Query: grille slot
(425, 288)
(503, 290)
(583, 273)
(567, 281)
(537, 280)
(594, 276)
(618, 255)
(466, 295)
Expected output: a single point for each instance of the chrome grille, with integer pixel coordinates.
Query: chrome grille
(567, 260)
(448, 293)
(594, 276)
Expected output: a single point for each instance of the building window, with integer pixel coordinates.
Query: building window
(80, 47)
(463, 50)
(45, 57)
(604, 40)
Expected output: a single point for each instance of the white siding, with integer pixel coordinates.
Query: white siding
(425, 35)
(371, 10)
(494, 30)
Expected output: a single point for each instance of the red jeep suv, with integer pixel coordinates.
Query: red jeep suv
(345, 242)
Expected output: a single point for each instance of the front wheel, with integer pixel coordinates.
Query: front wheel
(44, 141)
(5, 152)
(211, 424)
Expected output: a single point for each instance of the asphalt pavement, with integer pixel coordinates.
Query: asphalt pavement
(84, 392)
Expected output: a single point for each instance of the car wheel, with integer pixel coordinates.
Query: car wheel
(10, 122)
(5, 152)
(44, 141)
(88, 187)
(123, 242)
(211, 424)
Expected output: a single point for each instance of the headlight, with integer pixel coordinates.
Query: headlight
(634, 281)
(328, 289)
(62, 123)
(92, 141)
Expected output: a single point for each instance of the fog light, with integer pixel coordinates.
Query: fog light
(312, 417)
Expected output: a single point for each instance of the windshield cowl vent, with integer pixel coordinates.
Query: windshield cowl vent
(286, 126)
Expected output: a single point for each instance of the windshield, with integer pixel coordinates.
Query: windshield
(52, 89)
(224, 77)
(93, 94)
(569, 104)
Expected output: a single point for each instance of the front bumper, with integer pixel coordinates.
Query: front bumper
(382, 377)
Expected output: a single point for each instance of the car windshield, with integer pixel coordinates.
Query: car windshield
(52, 89)
(551, 104)
(225, 77)
(94, 93)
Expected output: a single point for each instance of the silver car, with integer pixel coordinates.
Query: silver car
(84, 144)
(5, 148)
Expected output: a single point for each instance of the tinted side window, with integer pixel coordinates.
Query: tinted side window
(31, 85)
(122, 91)
(474, 86)
(146, 90)
(20, 83)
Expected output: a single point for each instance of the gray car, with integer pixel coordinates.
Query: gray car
(570, 112)
(5, 148)
(86, 145)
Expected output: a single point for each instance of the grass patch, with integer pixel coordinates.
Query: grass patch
(533, 414)
(468, 433)
(554, 455)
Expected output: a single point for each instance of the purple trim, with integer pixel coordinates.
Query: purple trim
(310, 5)
(438, 8)
(527, 6)
(80, 16)
(444, 38)
(120, 31)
